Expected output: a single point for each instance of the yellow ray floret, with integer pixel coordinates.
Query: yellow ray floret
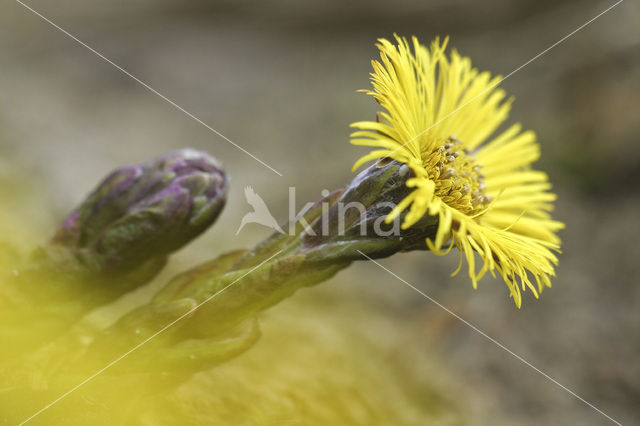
(439, 118)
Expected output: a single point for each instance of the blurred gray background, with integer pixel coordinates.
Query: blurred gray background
(279, 79)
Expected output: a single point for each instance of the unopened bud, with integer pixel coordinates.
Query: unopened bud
(145, 211)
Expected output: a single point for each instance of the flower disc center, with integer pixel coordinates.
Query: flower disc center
(458, 177)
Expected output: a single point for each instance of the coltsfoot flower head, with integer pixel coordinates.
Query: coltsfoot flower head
(440, 116)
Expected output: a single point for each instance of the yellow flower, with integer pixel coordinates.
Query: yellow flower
(440, 119)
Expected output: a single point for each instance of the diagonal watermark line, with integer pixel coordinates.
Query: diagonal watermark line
(146, 86)
(508, 75)
(136, 347)
(491, 339)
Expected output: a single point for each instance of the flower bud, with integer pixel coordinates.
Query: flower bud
(145, 211)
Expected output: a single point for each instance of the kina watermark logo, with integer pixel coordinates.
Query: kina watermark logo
(260, 214)
(336, 217)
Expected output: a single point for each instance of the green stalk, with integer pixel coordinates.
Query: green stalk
(213, 301)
